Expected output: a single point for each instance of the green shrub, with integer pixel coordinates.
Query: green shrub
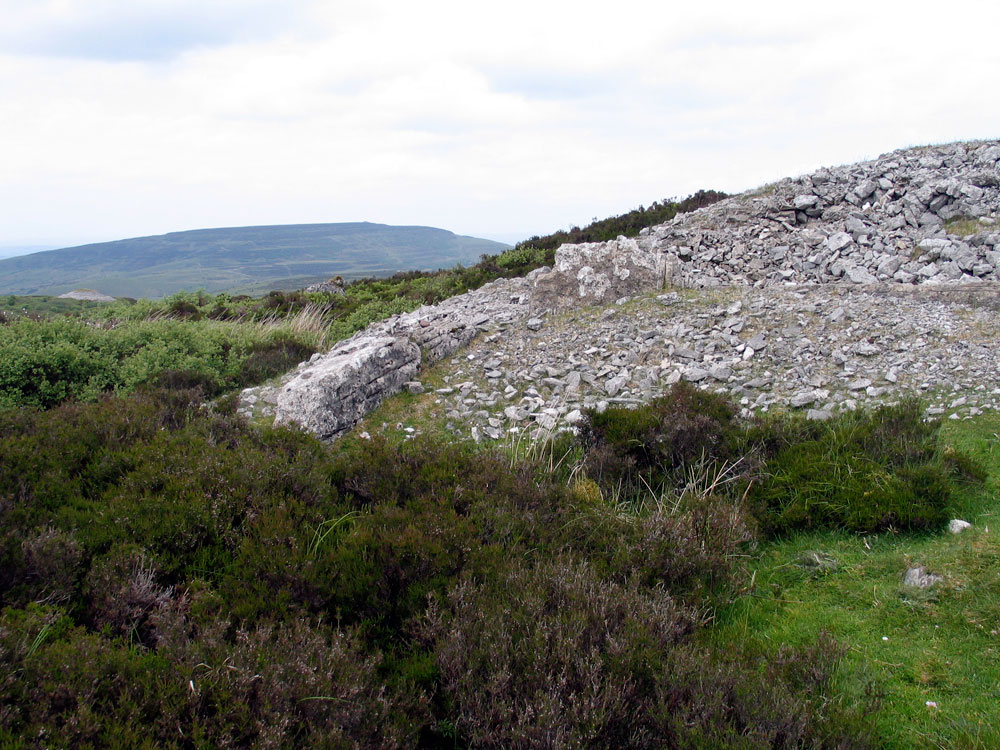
(524, 258)
(184, 483)
(863, 471)
(46, 362)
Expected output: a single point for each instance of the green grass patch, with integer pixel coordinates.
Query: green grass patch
(861, 471)
(14, 305)
(932, 652)
(963, 226)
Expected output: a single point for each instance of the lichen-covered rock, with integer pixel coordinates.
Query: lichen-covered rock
(331, 394)
(599, 273)
(957, 525)
(330, 286)
(919, 577)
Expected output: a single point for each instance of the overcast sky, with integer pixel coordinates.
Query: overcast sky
(121, 118)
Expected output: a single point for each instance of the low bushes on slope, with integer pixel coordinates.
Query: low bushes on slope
(862, 471)
(45, 362)
(628, 224)
(170, 575)
(175, 342)
(365, 301)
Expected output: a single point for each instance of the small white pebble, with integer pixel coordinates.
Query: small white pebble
(885, 637)
(931, 704)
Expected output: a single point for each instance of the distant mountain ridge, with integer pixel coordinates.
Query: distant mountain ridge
(240, 259)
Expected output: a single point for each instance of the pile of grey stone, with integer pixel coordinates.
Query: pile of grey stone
(878, 221)
(824, 350)
(831, 289)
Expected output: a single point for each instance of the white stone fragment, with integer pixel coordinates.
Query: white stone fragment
(957, 525)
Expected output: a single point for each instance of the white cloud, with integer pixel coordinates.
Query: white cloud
(514, 117)
(147, 30)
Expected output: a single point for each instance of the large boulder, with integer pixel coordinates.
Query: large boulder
(90, 295)
(330, 395)
(599, 273)
(330, 286)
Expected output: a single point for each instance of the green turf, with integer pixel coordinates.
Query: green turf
(933, 653)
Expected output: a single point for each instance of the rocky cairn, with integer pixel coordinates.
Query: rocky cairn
(819, 292)
(879, 221)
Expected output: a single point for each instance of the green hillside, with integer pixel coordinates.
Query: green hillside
(173, 575)
(240, 258)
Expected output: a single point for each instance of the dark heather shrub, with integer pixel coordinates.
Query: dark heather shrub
(657, 440)
(52, 561)
(383, 567)
(185, 380)
(421, 469)
(713, 699)
(552, 656)
(697, 552)
(123, 593)
(299, 685)
(71, 688)
(206, 684)
(183, 308)
(267, 359)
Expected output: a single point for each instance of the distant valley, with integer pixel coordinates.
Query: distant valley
(248, 260)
